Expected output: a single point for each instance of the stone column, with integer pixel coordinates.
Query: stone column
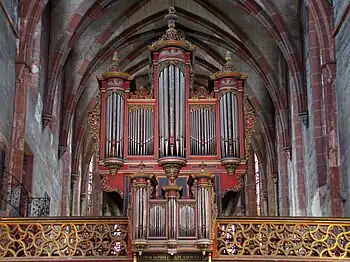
(250, 190)
(76, 185)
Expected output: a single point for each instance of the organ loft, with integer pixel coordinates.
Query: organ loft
(172, 154)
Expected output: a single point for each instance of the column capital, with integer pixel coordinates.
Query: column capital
(172, 191)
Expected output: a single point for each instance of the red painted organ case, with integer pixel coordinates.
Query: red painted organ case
(171, 133)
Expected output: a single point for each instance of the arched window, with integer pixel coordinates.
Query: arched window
(89, 187)
(258, 186)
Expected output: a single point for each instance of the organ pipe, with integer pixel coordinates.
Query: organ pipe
(229, 124)
(203, 130)
(204, 203)
(141, 130)
(140, 192)
(115, 125)
(171, 106)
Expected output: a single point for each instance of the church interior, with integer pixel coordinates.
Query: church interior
(184, 130)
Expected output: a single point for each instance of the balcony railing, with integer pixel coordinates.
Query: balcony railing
(318, 239)
(15, 198)
(85, 238)
(62, 238)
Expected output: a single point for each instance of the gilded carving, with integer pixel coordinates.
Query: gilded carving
(135, 107)
(172, 168)
(249, 121)
(63, 239)
(201, 93)
(94, 124)
(238, 187)
(196, 107)
(283, 239)
(141, 93)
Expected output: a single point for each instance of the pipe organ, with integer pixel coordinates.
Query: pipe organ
(141, 130)
(170, 148)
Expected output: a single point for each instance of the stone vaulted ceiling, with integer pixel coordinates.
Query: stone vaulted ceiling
(261, 34)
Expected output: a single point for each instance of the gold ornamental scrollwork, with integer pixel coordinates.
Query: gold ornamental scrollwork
(55, 238)
(299, 239)
(94, 123)
(236, 188)
(249, 121)
(141, 93)
(196, 107)
(201, 93)
(136, 107)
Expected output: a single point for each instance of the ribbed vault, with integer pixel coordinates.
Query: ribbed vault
(86, 35)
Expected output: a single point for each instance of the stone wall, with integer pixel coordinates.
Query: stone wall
(43, 143)
(7, 77)
(342, 47)
(11, 7)
(311, 178)
(44, 146)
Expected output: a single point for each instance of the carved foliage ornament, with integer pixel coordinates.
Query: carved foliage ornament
(141, 93)
(238, 187)
(196, 107)
(107, 188)
(249, 121)
(172, 169)
(201, 93)
(133, 108)
(94, 123)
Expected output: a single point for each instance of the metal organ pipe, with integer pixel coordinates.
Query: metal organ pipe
(203, 130)
(229, 124)
(114, 125)
(172, 99)
(141, 130)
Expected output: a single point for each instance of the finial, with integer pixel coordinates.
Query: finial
(115, 57)
(228, 56)
(228, 65)
(115, 65)
(171, 17)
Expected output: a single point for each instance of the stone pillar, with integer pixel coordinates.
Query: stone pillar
(76, 185)
(97, 196)
(66, 184)
(250, 190)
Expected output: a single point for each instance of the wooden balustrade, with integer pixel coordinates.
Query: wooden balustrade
(63, 238)
(319, 239)
(85, 238)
